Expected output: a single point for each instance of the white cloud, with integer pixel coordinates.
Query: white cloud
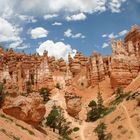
(10, 33)
(15, 44)
(57, 24)
(71, 6)
(115, 5)
(28, 19)
(41, 7)
(38, 32)
(105, 45)
(122, 33)
(56, 49)
(50, 16)
(68, 33)
(112, 35)
(7, 12)
(104, 35)
(23, 46)
(77, 17)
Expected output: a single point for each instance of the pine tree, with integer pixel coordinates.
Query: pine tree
(100, 101)
(57, 121)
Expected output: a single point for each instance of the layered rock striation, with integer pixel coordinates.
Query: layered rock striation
(122, 66)
(29, 109)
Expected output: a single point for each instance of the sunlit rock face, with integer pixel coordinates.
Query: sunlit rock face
(95, 69)
(125, 59)
(122, 66)
(73, 102)
(29, 109)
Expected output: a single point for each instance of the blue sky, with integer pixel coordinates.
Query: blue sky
(66, 26)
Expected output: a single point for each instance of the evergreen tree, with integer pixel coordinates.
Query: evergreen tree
(100, 130)
(57, 121)
(92, 104)
(100, 101)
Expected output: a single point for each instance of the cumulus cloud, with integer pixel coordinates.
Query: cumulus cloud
(68, 33)
(56, 49)
(115, 5)
(57, 24)
(41, 7)
(38, 32)
(77, 17)
(10, 33)
(50, 16)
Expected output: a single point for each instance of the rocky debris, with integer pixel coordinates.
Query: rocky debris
(28, 109)
(73, 102)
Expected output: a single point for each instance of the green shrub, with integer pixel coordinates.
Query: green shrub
(120, 96)
(92, 104)
(97, 111)
(100, 131)
(45, 94)
(107, 111)
(58, 86)
(75, 129)
(93, 115)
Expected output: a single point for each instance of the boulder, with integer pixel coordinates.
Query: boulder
(73, 102)
(28, 109)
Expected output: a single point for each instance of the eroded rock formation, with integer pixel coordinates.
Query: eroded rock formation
(73, 102)
(29, 109)
(122, 66)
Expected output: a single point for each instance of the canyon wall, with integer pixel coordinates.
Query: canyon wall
(122, 66)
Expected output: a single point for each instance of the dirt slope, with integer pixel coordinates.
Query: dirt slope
(12, 129)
